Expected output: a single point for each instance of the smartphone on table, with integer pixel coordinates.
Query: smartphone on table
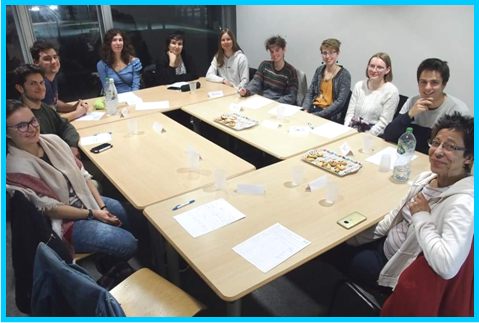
(100, 148)
(351, 220)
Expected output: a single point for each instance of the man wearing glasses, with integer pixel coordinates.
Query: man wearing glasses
(421, 112)
(29, 82)
(45, 56)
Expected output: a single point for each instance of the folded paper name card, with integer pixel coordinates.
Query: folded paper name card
(250, 189)
(215, 94)
(318, 183)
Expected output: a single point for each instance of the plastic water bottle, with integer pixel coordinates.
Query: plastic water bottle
(405, 152)
(111, 97)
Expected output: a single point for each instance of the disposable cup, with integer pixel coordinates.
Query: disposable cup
(192, 87)
(133, 126)
(385, 163)
(368, 142)
(280, 112)
(332, 190)
(194, 160)
(220, 179)
(297, 175)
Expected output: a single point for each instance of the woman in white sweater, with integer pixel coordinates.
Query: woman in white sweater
(375, 99)
(230, 65)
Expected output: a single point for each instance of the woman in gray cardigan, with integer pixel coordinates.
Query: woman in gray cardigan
(329, 90)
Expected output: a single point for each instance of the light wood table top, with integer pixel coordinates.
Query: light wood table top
(177, 99)
(276, 142)
(304, 212)
(150, 167)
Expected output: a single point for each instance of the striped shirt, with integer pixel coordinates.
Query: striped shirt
(281, 86)
(398, 234)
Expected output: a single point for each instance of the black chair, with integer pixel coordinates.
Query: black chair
(352, 300)
(339, 118)
(149, 75)
(252, 72)
(402, 100)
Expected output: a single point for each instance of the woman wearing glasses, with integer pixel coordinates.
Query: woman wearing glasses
(329, 90)
(436, 217)
(375, 99)
(43, 168)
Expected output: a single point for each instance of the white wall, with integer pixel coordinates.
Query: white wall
(409, 34)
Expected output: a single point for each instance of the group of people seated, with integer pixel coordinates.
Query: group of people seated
(435, 218)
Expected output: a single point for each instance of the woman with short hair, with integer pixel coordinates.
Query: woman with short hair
(329, 89)
(175, 65)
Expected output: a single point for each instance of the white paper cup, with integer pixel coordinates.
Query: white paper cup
(385, 163)
(332, 190)
(280, 112)
(133, 126)
(194, 160)
(220, 179)
(368, 142)
(192, 87)
(297, 175)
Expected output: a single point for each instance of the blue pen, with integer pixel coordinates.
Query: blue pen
(183, 204)
(310, 125)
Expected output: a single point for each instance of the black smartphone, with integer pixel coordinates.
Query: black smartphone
(102, 147)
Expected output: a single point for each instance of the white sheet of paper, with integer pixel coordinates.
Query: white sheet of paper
(177, 85)
(208, 217)
(250, 189)
(270, 124)
(289, 110)
(235, 107)
(376, 158)
(91, 116)
(158, 127)
(345, 149)
(215, 94)
(330, 130)
(299, 130)
(158, 105)
(130, 98)
(271, 247)
(318, 183)
(256, 103)
(98, 138)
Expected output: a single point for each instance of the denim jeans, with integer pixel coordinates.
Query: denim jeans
(94, 236)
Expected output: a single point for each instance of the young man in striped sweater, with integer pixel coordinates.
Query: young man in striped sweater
(275, 79)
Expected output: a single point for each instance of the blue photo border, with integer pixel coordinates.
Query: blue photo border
(428, 23)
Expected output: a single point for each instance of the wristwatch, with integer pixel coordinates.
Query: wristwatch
(90, 215)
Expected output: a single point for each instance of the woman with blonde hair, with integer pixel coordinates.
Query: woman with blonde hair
(374, 99)
(329, 90)
(230, 65)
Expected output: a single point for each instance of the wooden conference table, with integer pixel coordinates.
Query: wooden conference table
(177, 99)
(150, 167)
(276, 142)
(368, 192)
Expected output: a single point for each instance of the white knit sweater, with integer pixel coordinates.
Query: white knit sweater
(375, 107)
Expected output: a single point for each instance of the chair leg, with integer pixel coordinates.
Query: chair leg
(335, 292)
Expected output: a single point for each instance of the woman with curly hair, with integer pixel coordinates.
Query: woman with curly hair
(118, 62)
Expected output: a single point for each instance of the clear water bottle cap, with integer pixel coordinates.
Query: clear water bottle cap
(409, 130)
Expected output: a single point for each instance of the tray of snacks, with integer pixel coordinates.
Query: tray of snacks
(331, 161)
(236, 121)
